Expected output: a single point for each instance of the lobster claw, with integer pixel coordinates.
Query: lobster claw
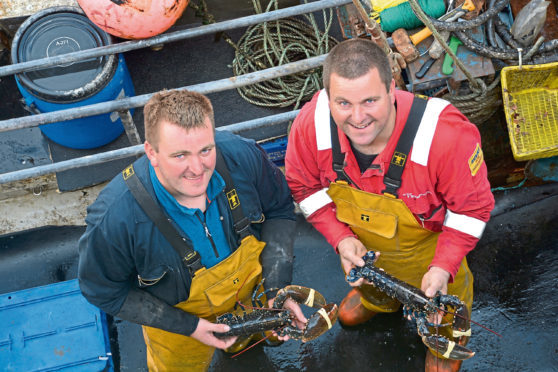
(419, 307)
(321, 321)
(460, 327)
(448, 349)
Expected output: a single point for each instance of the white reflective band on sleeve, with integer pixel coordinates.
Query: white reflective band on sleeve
(314, 202)
(427, 127)
(321, 122)
(310, 299)
(323, 313)
(466, 224)
(458, 333)
(451, 345)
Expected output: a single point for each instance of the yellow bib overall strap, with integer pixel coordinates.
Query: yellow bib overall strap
(385, 224)
(214, 291)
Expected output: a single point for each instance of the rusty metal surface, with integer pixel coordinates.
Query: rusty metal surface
(352, 26)
(21, 8)
(478, 66)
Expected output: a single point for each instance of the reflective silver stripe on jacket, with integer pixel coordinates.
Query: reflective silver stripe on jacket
(314, 202)
(427, 127)
(465, 224)
(321, 122)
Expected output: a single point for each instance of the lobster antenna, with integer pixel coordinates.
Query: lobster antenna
(471, 320)
(250, 307)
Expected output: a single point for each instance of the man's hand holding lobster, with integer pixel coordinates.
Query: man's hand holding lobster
(433, 282)
(205, 333)
(351, 250)
(299, 320)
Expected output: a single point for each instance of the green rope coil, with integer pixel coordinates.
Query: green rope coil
(276, 43)
(402, 16)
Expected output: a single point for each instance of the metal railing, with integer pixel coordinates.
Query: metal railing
(132, 150)
(141, 100)
(138, 101)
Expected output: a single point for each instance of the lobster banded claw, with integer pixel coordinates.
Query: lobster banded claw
(418, 306)
(301, 295)
(460, 327)
(280, 320)
(318, 323)
(448, 349)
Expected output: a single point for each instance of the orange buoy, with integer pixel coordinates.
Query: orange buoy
(133, 19)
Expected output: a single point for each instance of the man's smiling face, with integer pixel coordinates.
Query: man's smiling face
(364, 110)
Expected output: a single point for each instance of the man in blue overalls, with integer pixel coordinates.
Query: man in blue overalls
(185, 232)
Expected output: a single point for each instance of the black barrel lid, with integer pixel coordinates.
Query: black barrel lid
(60, 32)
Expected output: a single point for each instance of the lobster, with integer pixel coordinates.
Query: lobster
(418, 306)
(280, 320)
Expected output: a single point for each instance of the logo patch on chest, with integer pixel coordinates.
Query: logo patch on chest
(233, 199)
(365, 217)
(476, 160)
(128, 172)
(398, 159)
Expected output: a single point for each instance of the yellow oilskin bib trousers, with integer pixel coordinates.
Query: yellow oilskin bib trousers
(384, 223)
(213, 292)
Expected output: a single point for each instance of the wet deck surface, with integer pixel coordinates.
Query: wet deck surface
(516, 276)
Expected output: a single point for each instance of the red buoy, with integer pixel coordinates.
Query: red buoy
(133, 19)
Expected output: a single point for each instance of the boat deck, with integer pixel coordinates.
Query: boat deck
(516, 274)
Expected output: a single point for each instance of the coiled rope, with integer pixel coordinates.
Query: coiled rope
(276, 43)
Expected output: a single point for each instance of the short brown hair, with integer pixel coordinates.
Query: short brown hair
(354, 58)
(184, 108)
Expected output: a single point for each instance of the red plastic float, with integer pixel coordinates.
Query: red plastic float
(133, 19)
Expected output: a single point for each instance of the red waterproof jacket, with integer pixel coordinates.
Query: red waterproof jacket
(444, 184)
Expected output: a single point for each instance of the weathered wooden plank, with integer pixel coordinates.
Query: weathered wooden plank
(22, 8)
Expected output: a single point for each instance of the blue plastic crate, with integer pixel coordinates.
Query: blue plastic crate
(52, 328)
(276, 150)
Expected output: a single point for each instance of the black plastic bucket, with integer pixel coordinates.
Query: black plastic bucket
(61, 30)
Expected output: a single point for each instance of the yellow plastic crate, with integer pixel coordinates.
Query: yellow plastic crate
(530, 95)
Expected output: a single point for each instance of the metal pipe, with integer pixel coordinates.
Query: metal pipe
(264, 122)
(131, 151)
(137, 101)
(170, 37)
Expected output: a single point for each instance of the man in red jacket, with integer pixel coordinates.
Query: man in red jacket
(371, 173)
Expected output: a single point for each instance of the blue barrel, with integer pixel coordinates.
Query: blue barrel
(60, 30)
